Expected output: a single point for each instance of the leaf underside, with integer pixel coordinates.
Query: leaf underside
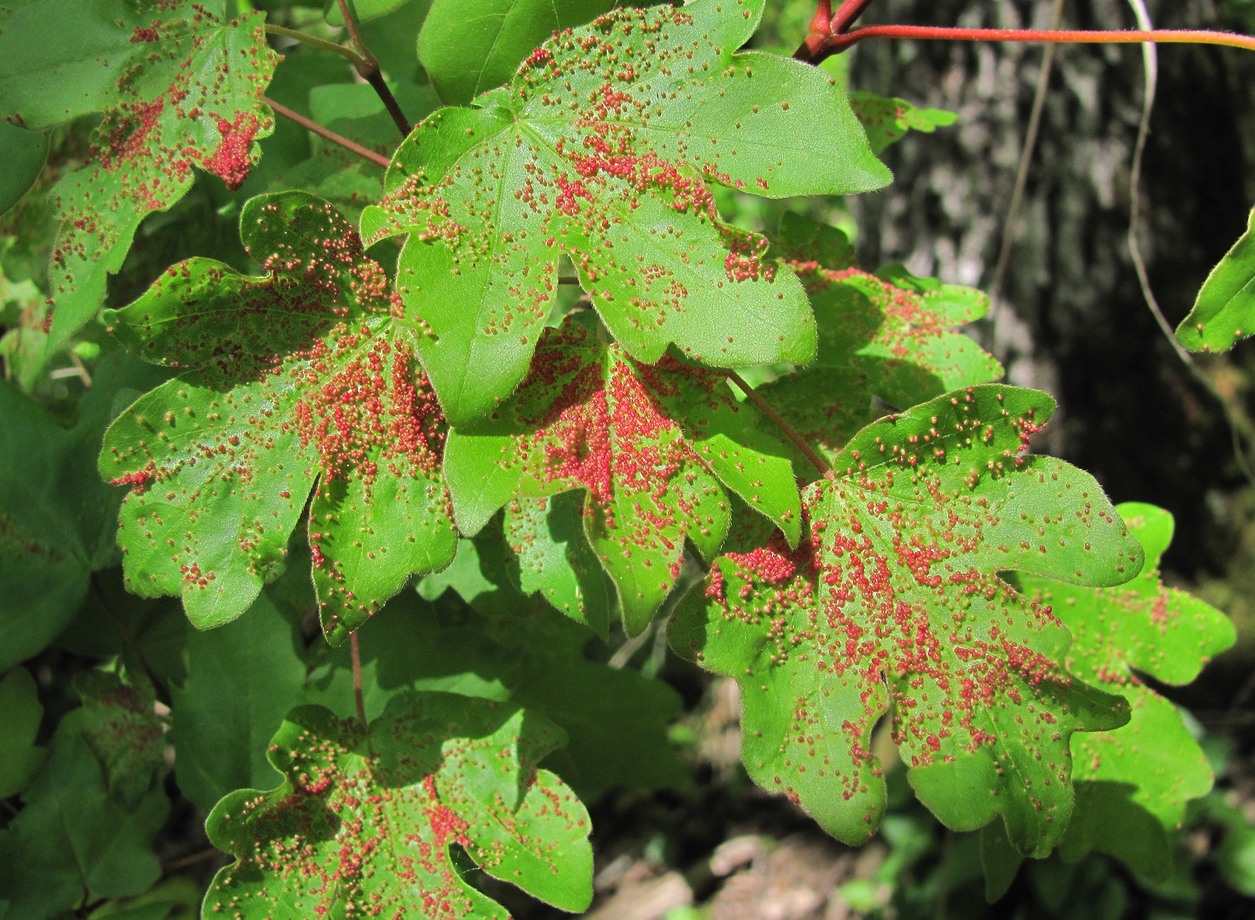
(892, 605)
(302, 382)
(603, 147)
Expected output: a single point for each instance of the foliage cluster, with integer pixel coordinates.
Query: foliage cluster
(413, 450)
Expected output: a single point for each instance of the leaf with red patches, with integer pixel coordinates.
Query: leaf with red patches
(887, 335)
(302, 382)
(653, 448)
(180, 89)
(367, 818)
(892, 604)
(603, 147)
(1133, 783)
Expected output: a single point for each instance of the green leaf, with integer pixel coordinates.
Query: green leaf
(886, 121)
(469, 49)
(1225, 309)
(20, 712)
(361, 10)
(179, 88)
(1134, 782)
(73, 834)
(556, 561)
(23, 153)
(650, 445)
(367, 817)
(892, 604)
(123, 733)
(602, 148)
(887, 336)
(242, 680)
(511, 648)
(301, 382)
(57, 519)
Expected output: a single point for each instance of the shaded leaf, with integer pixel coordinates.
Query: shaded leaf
(590, 418)
(73, 835)
(887, 336)
(123, 733)
(20, 712)
(242, 680)
(892, 604)
(302, 382)
(602, 147)
(1134, 782)
(23, 153)
(179, 88)
(367, 817)
(57, 519)
(467, 50)
(1224, 311)
(886, 121)
(556, 561)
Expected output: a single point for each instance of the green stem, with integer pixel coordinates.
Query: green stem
(348, 53)
(782, 423)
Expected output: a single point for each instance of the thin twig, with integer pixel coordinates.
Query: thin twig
(368, 67)
(344, 52)
(782, 423)
(355, 651)
(318, 129)
(1026, 159)
(836, 44)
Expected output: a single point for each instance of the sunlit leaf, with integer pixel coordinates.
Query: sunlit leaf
(1134, 782)
(602, 147)
(1224, 312)
(179, 89)
(302, 382)
(367, 817)
(649, 445)
(892, 604)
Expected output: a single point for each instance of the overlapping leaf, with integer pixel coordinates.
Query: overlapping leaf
(892, 604)
(590, 418)
(887, 335)
(1134, 782)
(179, 88)
(601, 148)
(302, 382)
(367, 818)
(1224, 311)
(887, 120)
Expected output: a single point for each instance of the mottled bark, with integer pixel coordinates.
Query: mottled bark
(1071, 318)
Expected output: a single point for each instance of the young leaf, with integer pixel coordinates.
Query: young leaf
(466, 51)
(590, 418)
(886, 121)
(179, 88)
(1225, 309)
(1135, 781)
(302, 381)
(892, 603)
(366, 817)
(601, 147)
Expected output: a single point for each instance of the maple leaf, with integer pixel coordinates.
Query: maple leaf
(590, 418)
(302, 381)
(892, 603)
(886, 335)
(1133, 783)
(366, 818)
(180, 89)
(602, 147)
